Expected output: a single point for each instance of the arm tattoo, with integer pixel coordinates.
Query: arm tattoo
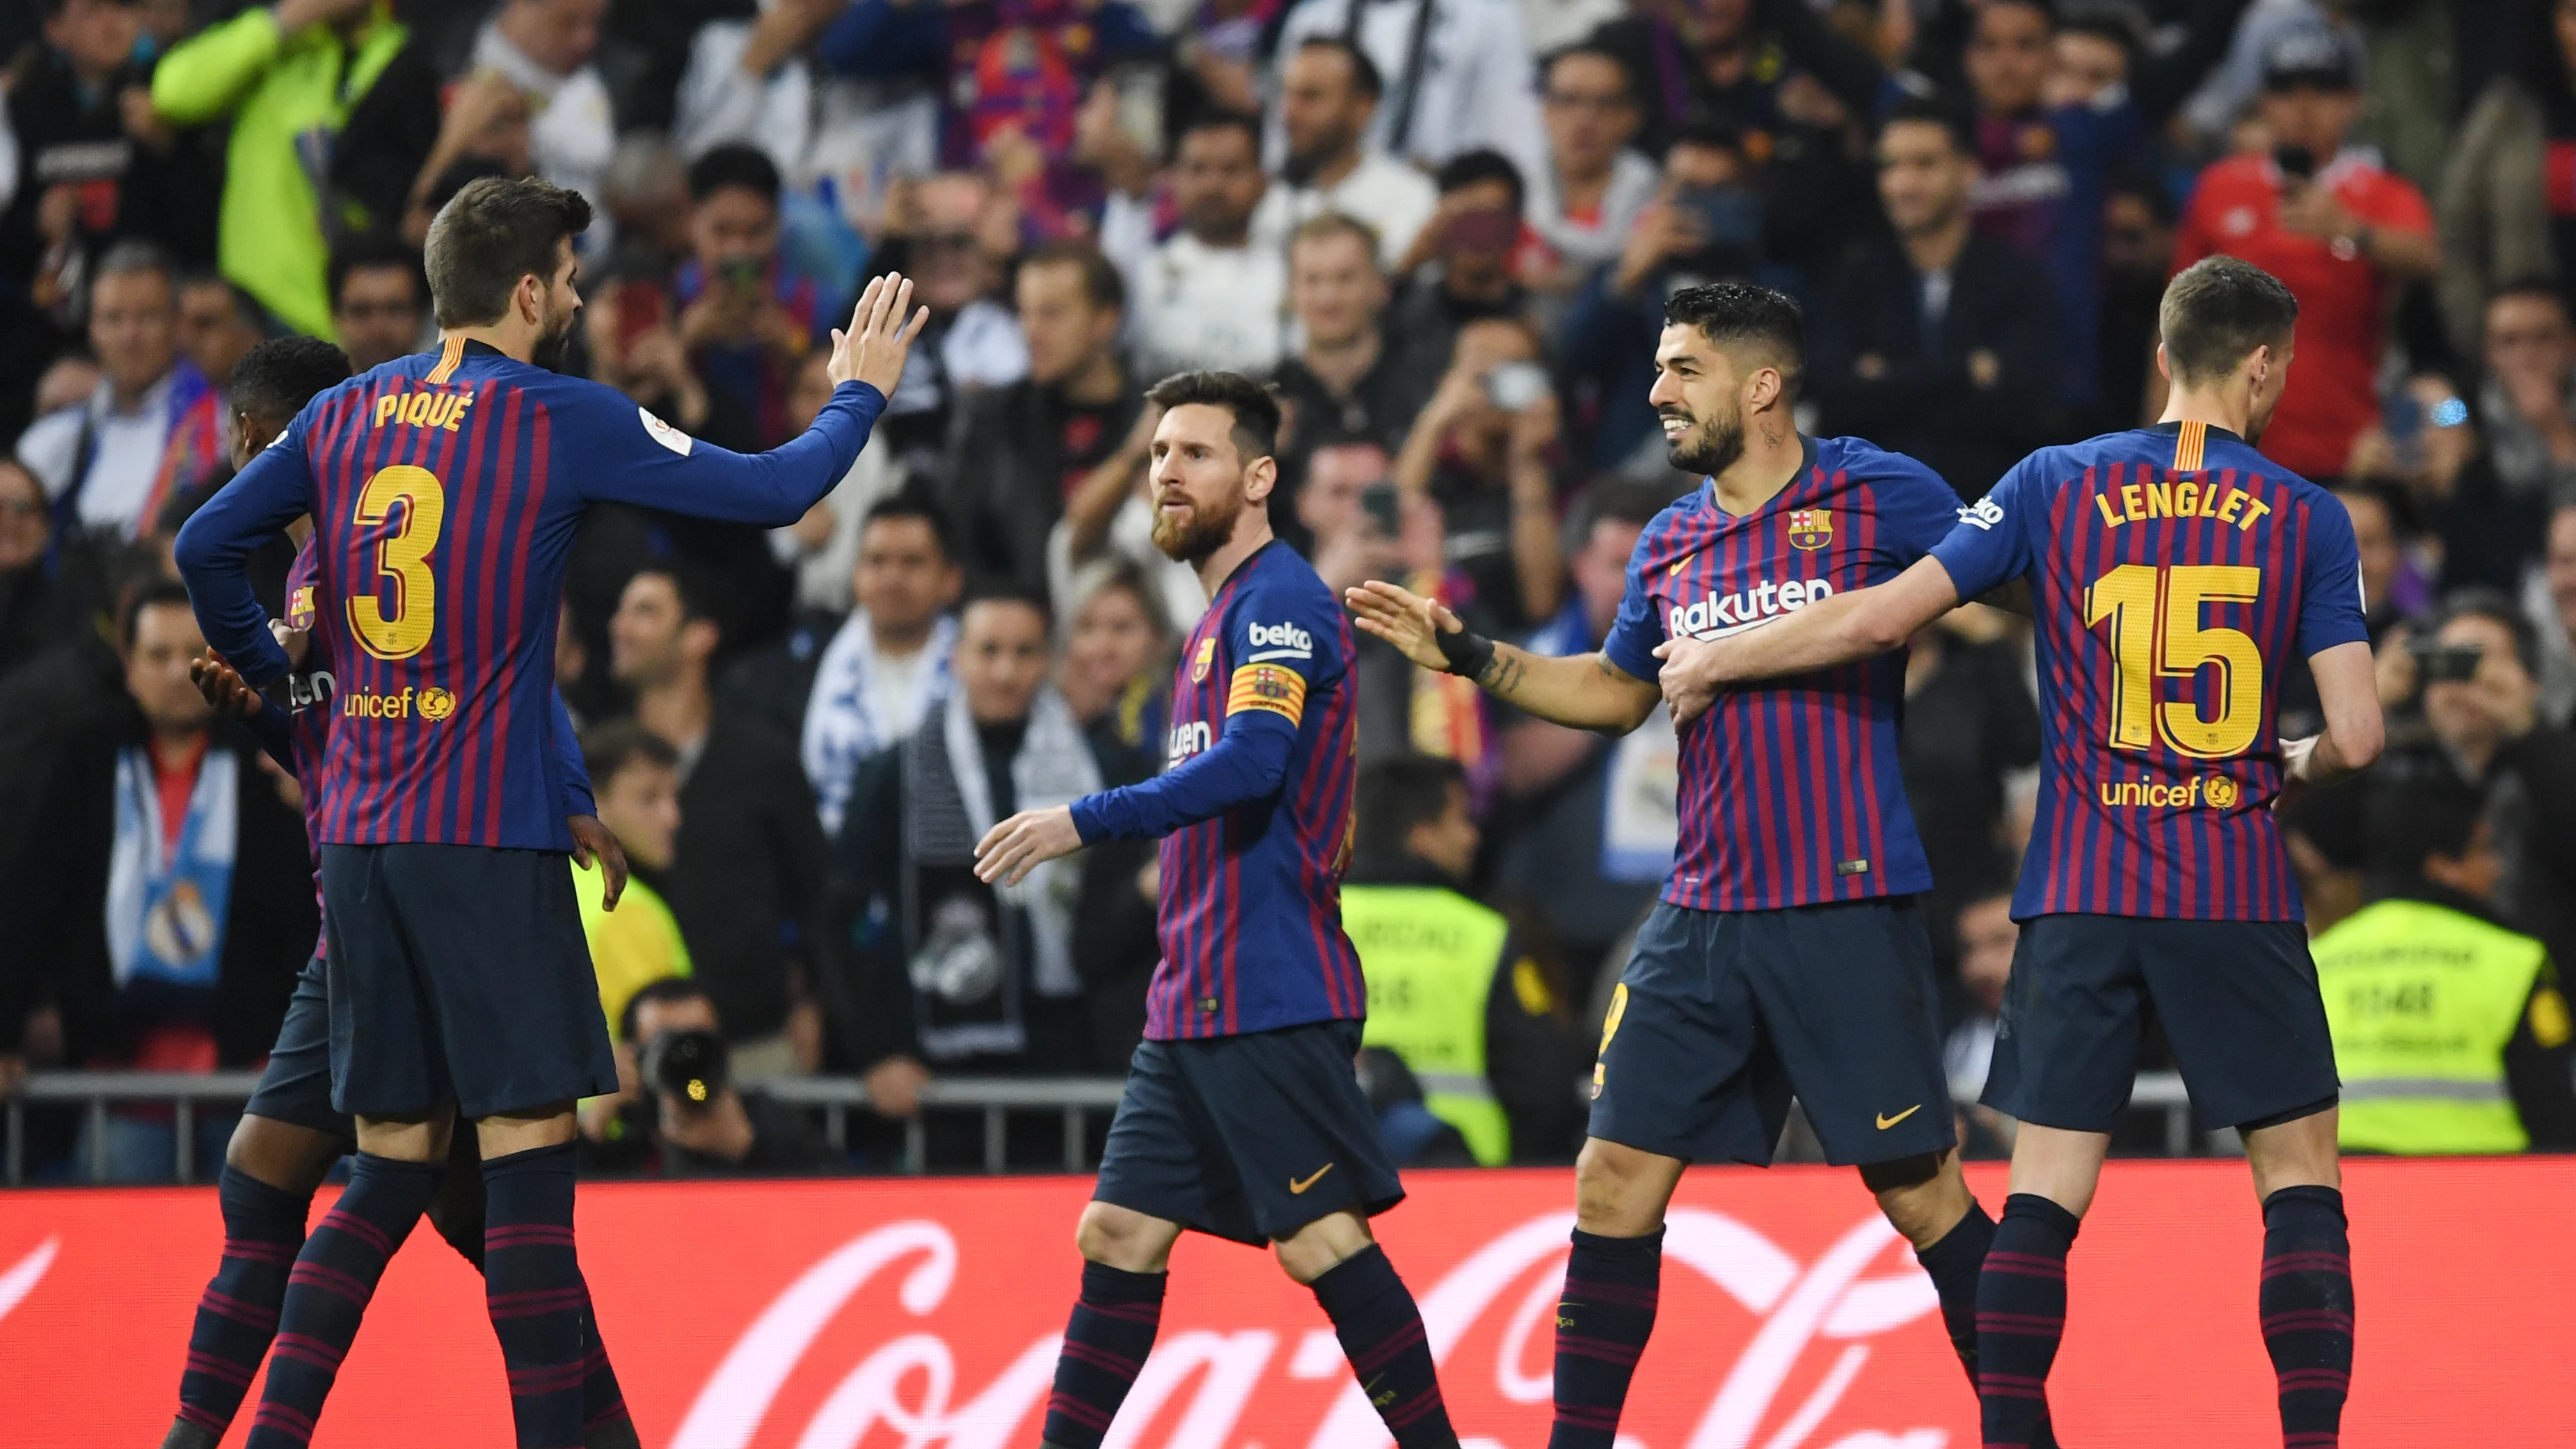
(1503, 676)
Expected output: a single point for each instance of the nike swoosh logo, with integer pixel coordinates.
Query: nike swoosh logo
(1678, 565)
(1294, 1186)
(1885, 1121)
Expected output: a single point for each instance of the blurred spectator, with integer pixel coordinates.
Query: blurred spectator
(2506, 215)
(1329, 91)
(746, 875)
(2137, 252)
(823, 546)
(636, 347)
(888, 662)
(1208, 297)
(2526, 404)
(1970, 723)
(645, 190)
(1117, 670)
(218, 322)
(153, 426)
(2550, 601)
(952, 234)
(1937, 342)
(635, 775)
(1772, 68)
(1350, 509)
(683, 1114)
(984, 976)
(379, 300)
(35, 605)
(1018, 453)
(1702, 226)
(2383, 525)
(1484, 450)
(1987, 936)
(1470, 249)
(2046, 153)
(79, 110)
(1450, 991)
(747, 83)
(158, 889)
(544, 49)
(745, 318)
(1346, 384)
(1594, 819)
(1457, 75)
(291, 81)
(484, 131)
(2427, 443)
(1588, 195)
(2451, 1034)
(2329, 222)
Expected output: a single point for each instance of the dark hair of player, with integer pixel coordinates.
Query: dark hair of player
(1739, 316)
(608, 750)
(910, 503)
(492, 234)
(2218, 310)
(1256, 412)
(1396, 794)
(747, 167)
(1101, 284)
(275, 379)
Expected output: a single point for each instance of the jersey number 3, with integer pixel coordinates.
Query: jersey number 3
(396, 621)
(2157, 633)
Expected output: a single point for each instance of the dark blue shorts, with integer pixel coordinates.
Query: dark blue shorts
(295, 1087)
(2238, 1000)
(458, 973)
(1723, 1016)
(1248, 1137)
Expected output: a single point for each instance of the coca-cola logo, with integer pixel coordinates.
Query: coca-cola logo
(907, 1388)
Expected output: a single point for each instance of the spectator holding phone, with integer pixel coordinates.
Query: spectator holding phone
(2325, 219)
(1471, 249)
(746, 320)
(1484, 450)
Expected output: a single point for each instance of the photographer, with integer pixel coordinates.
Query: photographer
(1484, 450)
(679, 1113)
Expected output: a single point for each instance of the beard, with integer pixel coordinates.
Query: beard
(1208, 529)
(1710, 447)
(557, 339)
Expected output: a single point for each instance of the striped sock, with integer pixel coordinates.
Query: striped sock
(2307, 1310)
(237, 1315)
(1954, 1265)
(533, 1288)
(2021, 1314)
(1381, 1333)
(1105, 1345)
(1602, 1322)
(605, 1424)
(327, 1293)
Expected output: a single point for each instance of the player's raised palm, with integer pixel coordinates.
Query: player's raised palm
(880, 335)
(1404, 619)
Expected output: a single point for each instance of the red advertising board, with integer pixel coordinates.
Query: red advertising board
(923, 1314)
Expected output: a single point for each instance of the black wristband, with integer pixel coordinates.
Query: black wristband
(1468, 653)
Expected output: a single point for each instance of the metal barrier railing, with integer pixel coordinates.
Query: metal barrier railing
(996, 1098)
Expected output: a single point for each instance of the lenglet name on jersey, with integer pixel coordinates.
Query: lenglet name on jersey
(2137, 502)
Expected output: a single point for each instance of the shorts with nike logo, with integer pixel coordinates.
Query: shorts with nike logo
(1248, 1137)
(1723, 1016)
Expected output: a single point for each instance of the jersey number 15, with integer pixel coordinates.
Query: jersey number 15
(2157, 633)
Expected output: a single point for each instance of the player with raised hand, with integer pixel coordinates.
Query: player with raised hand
(1788, 953)
(1243, 1116)
(445, 490)
(2176, 572)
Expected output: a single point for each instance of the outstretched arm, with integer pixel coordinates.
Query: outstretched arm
(1248, 762)
(1828, 632)
(1585, 691)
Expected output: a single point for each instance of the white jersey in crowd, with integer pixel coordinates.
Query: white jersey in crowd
(1195, 306)
(571, 128)
(1395, 200)
(1478, 84)
(1587, 244)
(125, 451)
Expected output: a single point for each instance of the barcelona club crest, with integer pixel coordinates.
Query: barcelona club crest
(1811, 528)
(1206, 660)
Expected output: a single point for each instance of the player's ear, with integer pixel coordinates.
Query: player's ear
(1260, 478)
(2258, 365)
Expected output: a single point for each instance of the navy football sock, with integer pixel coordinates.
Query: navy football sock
(533, 1289)
(327, 1292)
(2021, 1315)
(1105, 1344)
(1955, 1264)
(2307, 1308)
(605, 1424)
(1602, 1322)
(237, 1315)
(1381, 1333)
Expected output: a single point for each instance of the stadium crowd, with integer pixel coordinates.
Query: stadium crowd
(1446, 230)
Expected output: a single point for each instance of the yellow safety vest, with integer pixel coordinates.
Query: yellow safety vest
(2422, 1000)
(1430, 956)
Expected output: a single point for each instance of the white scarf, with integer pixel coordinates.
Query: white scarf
(166, 908)
(1054, 767)
(845, 722)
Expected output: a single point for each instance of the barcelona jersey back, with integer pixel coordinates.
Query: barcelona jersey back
(2174, 572)
(1251, 918)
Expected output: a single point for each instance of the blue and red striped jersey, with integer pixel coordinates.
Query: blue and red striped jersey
(445, 490)
(1790, 793)
(1251, 911)
(2174, 572)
